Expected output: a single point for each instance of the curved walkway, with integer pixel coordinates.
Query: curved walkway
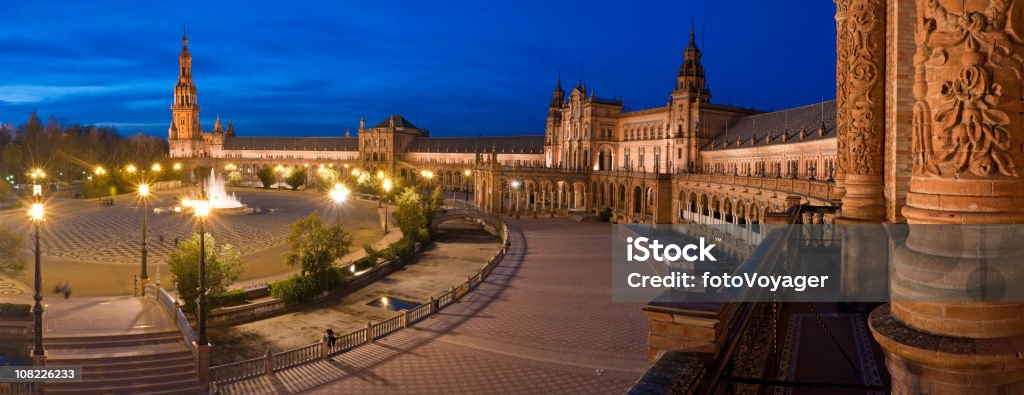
(542, 322)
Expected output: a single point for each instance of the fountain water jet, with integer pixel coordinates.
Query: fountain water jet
(218, 195)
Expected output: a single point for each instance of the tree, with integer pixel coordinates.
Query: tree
(267, 177)
(296, 179)
(223, 265)
(234, 178)
(12, 251)
(315, 245)
(326, 178)
(436, 203)
(410, 212)
(13, 157)
(6, 192)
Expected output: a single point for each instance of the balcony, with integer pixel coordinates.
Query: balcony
(824, 190)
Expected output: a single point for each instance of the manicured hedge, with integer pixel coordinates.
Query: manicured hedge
(233, 297)
(15, 310)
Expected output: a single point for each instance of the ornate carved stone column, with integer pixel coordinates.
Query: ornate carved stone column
(967, 141)
(842, 57)
(860, 76)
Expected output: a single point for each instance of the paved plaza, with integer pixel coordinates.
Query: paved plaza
(542, 322)
(96, 249)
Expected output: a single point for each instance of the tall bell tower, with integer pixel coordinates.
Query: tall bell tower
(185, 135)
(691, 91)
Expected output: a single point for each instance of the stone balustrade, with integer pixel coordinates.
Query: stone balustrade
(824, 190)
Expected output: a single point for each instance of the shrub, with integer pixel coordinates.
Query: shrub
(15, 310)
(303, 289)
(266, 176)
(12, 252)
(365, 262)
(423, 235)
(296, 179)
(606, 215)
(233, 297)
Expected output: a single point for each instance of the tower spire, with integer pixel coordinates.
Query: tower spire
(693, 32)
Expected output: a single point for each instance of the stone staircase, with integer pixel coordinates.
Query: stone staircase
(137, 363)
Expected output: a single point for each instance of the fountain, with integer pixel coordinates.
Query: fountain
(218, 195)
(220, 200)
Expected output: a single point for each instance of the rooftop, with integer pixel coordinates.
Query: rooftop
(292, 143)
(503, 144)
(755, 129)
(400, 122)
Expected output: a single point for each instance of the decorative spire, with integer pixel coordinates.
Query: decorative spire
(217, 126)
(691, 77)
(184, 45)
(231, 129)
(693, 33)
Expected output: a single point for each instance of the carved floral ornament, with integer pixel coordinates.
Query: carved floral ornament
(863, 87)
(970, 128)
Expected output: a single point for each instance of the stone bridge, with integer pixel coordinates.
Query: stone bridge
(491, 222)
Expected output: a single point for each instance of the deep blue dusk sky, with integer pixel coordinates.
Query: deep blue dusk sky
(454, 67)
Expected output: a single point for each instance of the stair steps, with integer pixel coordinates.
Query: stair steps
(137, 363)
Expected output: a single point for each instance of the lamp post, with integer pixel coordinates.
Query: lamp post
(36, 214)
(387, 190)
(515, 187)
(144, 275)
(465, 183)
(380, 202)
(202, 211)
(428, 176)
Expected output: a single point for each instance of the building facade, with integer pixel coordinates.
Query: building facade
(594, 154)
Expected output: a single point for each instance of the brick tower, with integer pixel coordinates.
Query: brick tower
(185, 134)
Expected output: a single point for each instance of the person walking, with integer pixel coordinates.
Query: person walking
(331, 339)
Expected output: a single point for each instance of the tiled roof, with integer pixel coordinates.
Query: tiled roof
(292, 143)
(400, 122)
(807, 118)
(503, 144)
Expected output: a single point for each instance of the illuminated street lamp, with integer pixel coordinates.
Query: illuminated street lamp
(144, 275)
(99, 171)
(131, 169)
(515, 186)
(156, 168)
(339, 194)
(201, 208)
(176, 167)
(36, 214)
(465, 182)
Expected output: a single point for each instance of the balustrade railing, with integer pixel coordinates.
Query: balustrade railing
(237, 371)
(170, 304)
(266, 365)
(298, 356)
(419, 313)
(386, 327)
(348, 341)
